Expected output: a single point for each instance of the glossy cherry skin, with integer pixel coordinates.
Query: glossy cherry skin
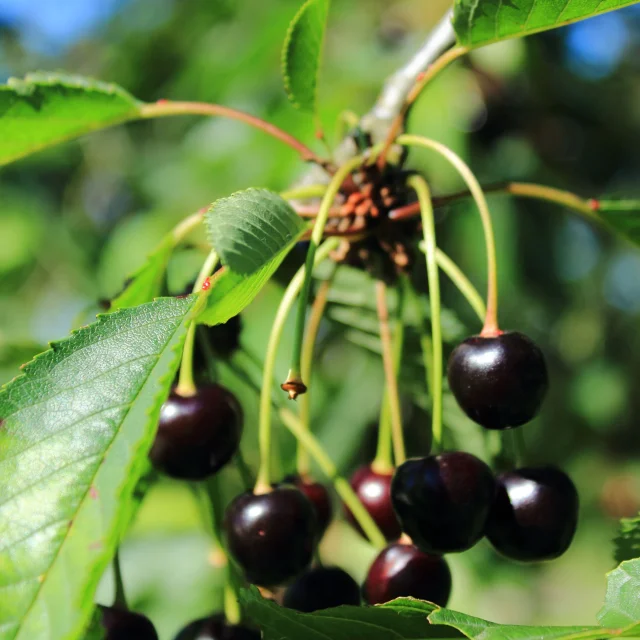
(318, 495)
(443, 501)
(197, 435)
(499, 382)
(374, 491)
(120, 624)
(322, 588)
(402, 571)
(216, 628)
(272, 535)
(535, 514)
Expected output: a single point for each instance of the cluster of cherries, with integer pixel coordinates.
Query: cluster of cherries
(427, 508)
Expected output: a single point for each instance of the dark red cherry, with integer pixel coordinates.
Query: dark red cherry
(197, 435)
(402, 571)
(271, 535)
(535, 514)
(319, 497)
(500, 382)
(322, 588)
(216, 628)
(121, 624)
(374, 491)
(443, 501)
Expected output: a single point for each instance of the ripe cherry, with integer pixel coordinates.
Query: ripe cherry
(500, 382)
(197, 435)
(121, 624)
(443, 501)
(216, 627)
(322, 588)
(319, 497)
(374, 490)
(402, 571)
(271, 535)
(535, 514)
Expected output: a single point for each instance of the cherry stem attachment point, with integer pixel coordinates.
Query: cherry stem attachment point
(294, 383)
(391, 381)
(263, 481)
(164, 108)
(342, 487)
(119, 598)
(383, 462)
(490, 327)
(421, 188)
(317, 311)
(186, 385)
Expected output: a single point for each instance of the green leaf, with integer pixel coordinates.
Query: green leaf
(627, 542)
(251, 227)
(402, 618)
(622, 601)
(45, 109)
(231, 292)
(623, 216)
(302, 53)
(480, 22)
(146, 283)
(479, 629)
(76, 428)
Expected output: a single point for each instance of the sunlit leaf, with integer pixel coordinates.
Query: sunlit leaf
(76, 428)
(480, 22)
(250, 228)
(47, 108)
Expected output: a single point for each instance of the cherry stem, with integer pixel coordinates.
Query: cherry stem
(186, 385)
(230, 598)
(518, 446)
(383, 462)
(342, 487)
(421, 188)
(519, 189)
(423, 80)
(462, 283)
(304, 191)
(119, 598)
(186, 226)
(294, 377)
(263, 481)
(164, 108)
(315, 317)
(490, 327)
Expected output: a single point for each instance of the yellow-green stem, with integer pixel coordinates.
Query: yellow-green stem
(342, 487)
(263, 481)
(391, 381)
(490, 327)
(186, 385)
(383, 462)
(316, 237)
(462, 283)
(421, 188)
(317, 310)
(304, 191)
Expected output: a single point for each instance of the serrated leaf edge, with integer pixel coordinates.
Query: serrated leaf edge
(138, 464)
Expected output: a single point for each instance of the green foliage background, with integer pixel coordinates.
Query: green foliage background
(76, 221)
